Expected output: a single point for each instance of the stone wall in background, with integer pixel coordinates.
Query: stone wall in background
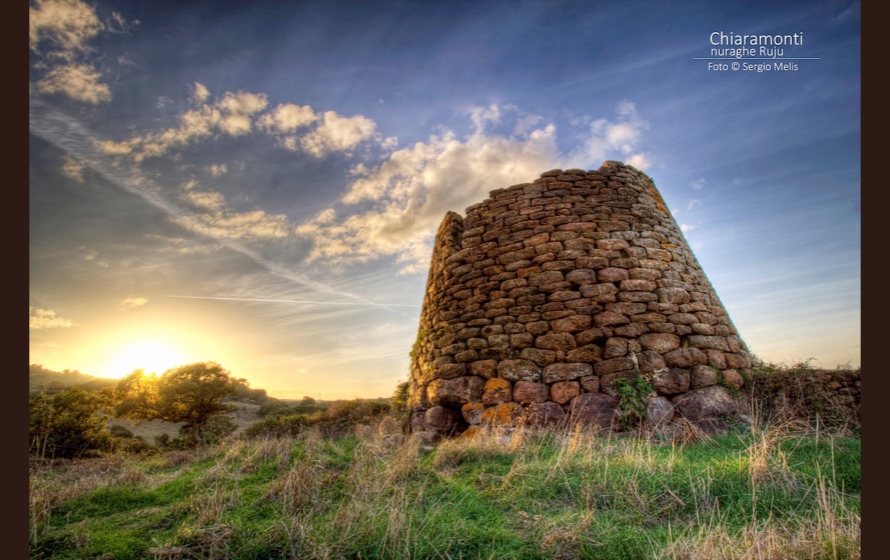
(549, 291)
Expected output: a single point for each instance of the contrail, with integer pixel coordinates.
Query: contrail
(71, 136)
(353, 303)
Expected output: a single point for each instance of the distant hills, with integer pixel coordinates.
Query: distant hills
(43, 379)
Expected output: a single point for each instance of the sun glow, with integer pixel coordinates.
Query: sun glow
(152, 357)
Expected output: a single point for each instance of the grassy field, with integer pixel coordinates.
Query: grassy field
(783, 491)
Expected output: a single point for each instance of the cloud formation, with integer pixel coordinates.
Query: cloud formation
(404, 198)
(214, 217)
(133, 303)
(45, 319)
(288, 117)
(337, 134)
(59, 33)
(76, 80)
(73, 168)
(69, 24)
(237, 114)
(232, 115)
(620, 138)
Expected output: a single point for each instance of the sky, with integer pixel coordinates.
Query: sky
(259, 183)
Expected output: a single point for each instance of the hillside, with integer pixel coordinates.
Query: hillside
(41, 378)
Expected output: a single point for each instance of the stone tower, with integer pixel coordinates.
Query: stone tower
(549, 291)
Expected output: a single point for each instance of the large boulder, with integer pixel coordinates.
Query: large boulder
(527, 392)
(706, 403)
(456, 392)
(659, 413)
(564, 391)
(504, 414)
(672, 381)
(497, 391)
(596, 409)
(544, 414)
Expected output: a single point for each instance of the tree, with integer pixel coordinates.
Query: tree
(67, 424)
(191, 393)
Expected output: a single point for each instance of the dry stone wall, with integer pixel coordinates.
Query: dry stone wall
(549, 291)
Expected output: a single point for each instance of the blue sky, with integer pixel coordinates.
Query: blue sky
(258, 184)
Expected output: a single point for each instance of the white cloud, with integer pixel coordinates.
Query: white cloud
(209, 201)
(640, 161)
(235, 114)
(237, 225)
(67, 23)
(183, 246)
(237, 109)
(133, 303)
(73, 168)
(114, 148)
(395, 208)
(686, 227)
(698, 184)
(337, 134)
(78, 81)
(231, 115)
(481, 116)
(217, 170)
(45, 319)
(288, 117)
(59, 33)
(216, 219)
(623, 137)
(117, 24)
(693, 204)
(92, 255)
(199, 94)
(242, 103)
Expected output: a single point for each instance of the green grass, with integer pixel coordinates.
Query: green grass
(776, 492)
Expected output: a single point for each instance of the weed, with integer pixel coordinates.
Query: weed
(633, 399)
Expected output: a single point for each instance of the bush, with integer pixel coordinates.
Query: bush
(213, 431)
(337, 420)
(243, 392)
(136, 445)
(278, 426)
(120, 431)
(799, 391)
(68, 424)
(274, 408)
(341, 418)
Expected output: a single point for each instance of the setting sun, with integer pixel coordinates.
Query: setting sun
(152, 357)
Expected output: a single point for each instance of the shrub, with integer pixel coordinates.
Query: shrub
(799, 391)
(278, 426)
(337, 420)
(120, 431)
(341, 418)
(274, 408)
(136, 445)
(68, 424)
